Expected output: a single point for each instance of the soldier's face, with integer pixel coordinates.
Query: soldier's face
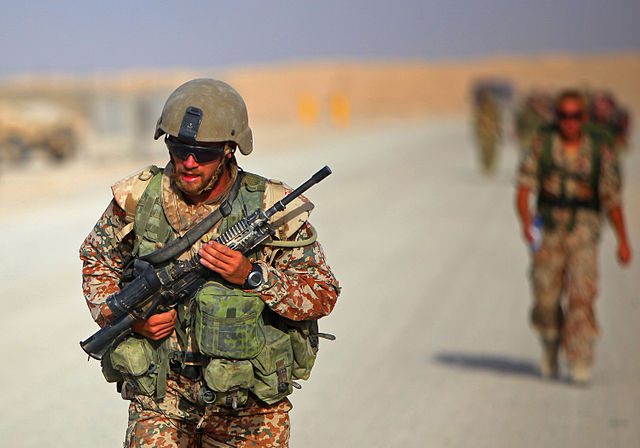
(571, 117)
(192, 177)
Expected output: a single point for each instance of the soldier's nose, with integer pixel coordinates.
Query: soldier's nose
(190, 161)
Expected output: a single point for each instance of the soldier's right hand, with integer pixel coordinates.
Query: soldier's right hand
(157, 326)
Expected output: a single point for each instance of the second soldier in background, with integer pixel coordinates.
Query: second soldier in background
(574, 174)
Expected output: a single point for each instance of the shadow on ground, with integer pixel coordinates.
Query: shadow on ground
(505, 365)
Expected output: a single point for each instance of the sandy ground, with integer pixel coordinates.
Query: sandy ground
(433, 345)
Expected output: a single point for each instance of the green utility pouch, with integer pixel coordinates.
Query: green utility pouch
(228, 322)
(304, 353)
(137, 361)
(110, 374)
(230, 380)
(273, 367)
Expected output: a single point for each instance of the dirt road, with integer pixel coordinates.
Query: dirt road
(433, 345)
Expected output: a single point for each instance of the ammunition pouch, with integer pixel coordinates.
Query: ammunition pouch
(273, 367)
(246, 355)
(304, 345)
(228, 322)
(135, 362)
(230, 380)
(229, 330)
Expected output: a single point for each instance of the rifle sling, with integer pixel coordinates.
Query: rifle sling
(178, 246)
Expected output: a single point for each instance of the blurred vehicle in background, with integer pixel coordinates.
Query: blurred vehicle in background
(37, 128)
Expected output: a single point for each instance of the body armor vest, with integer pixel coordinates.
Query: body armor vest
(547, 201)
(242, 346)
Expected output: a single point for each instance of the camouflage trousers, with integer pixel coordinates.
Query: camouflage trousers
(564, 277)
(177, 421)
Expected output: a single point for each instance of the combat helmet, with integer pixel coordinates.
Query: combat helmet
(206, 110)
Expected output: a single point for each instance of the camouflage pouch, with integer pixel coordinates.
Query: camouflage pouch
(137, 361)
(228, 322)
(304, 353)
(230, 380)
(304, 342)
(273, 367)
(110, 374)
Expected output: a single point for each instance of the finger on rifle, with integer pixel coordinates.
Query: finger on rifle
(160, 318)
(214, 252)
(215, 264)
(223, 249)
(159, 326)
(157, 335)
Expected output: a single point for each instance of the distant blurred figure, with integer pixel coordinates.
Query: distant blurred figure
(487, 127)
(575, 176)
(533, 113)
(607, 113)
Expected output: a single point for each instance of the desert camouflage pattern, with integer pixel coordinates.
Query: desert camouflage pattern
(564, 271)
(488, 130)
(566, 263)
(298, 284)
(177, 422)
(577, 183)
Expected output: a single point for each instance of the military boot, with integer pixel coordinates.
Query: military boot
(580, 373)
(549, 361)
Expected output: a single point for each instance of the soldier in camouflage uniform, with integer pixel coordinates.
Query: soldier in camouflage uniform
(184, 404)
(487, 128)
(535, 112)
(575, 175)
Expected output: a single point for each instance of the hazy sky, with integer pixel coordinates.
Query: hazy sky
(91, 36)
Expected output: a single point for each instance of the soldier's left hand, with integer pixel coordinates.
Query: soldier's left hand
(624, 253)
(232, 265)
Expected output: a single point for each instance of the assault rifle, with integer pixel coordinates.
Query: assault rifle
(155, 290)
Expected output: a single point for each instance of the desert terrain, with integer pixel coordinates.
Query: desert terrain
(433, 346)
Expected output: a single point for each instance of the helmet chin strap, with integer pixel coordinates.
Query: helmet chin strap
(226, 162)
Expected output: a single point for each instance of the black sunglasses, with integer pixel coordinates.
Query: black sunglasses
(570, 116)
(202, 154)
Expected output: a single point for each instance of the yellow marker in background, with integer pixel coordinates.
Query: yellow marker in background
(340, 110)
(307, 109)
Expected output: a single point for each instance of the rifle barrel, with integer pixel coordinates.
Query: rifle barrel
(281, 204)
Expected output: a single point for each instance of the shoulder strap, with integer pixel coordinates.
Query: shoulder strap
(545, 161)
(136, 187)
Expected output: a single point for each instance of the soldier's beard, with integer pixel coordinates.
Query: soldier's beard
(203, 185)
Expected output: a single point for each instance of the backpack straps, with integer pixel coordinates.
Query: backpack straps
(127, 194)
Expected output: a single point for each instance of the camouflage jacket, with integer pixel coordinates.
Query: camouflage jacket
(572, 177)
(298, 283)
